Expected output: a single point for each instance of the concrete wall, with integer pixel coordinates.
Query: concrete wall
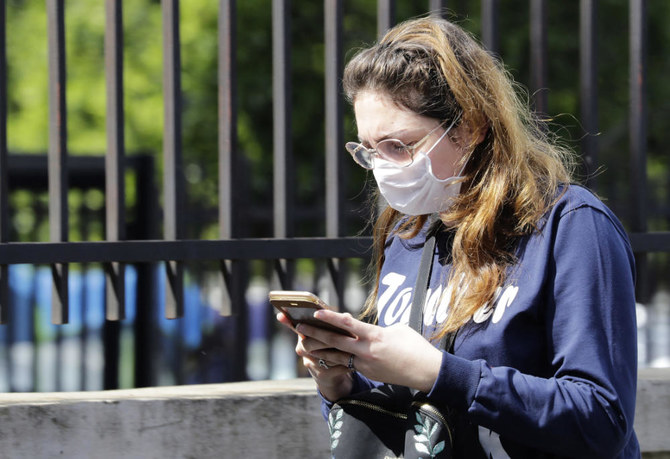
(269, 419)
(652, 412)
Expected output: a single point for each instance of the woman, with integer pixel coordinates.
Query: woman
(535, 275)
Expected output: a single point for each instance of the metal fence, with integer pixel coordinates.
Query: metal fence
(231, 251)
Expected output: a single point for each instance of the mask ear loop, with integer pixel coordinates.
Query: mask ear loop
(429, 163)
(446, 131)
(467, 157)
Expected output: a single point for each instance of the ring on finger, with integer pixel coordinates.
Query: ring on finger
(350, 365)
(323, 364)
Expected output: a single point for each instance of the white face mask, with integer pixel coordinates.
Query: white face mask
(414, 190)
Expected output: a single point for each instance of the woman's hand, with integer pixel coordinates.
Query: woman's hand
(334, 381)
(395, 354)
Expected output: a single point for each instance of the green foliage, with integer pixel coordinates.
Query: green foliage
(143, 76)
(27, 125)
(143, 90)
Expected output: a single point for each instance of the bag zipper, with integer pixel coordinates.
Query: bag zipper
(373, 407)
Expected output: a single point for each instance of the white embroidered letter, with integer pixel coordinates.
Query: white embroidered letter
(503, 303)
(430, 307)
(445, 301)
(482, 314)
(392, 306)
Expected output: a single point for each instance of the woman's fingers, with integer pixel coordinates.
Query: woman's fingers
(344, 321)
(363, 333)
(319, 353)
(333, 357)
(321, 348)
(282, 319)
(310, 347)
(321, 366)
(395, 354)
(334, 380)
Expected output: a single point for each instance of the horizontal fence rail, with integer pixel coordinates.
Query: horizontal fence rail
(237, 249)
(185, 250)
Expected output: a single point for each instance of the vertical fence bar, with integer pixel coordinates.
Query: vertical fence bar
(333, 13)
(385, 16)
(284, 171)
(385, 20)
(281, 85)
(334, 116)
(538, 55)
(58, 185)
(147, 211)
(638, 132)
(588, 86)
(87, 215)
(638, 112)
(173, 174)
(234, 274)
(490, 36)
(228, 157)
(114, 192)
(438, 7)
(115, 157)
(4, 189)
(229, 179)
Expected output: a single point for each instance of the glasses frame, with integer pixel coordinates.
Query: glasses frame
(356, 148)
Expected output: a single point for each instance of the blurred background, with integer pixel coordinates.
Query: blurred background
(36, 355)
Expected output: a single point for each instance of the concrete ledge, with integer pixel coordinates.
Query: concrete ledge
(267, 419)
(652, 411)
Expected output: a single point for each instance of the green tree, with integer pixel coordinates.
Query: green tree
(28, 104)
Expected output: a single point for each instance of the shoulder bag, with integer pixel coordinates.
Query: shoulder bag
(393, 421)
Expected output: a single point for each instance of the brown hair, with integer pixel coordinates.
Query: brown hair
(436, 69)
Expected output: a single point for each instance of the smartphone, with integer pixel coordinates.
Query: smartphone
(300, 306)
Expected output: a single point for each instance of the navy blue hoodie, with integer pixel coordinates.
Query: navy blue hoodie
(549, 368)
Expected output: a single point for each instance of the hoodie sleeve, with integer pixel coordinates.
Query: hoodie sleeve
(361, 383)
(586, 407)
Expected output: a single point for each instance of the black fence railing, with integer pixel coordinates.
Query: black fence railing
(233, 251)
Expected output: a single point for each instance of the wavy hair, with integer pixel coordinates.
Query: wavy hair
(434, 68)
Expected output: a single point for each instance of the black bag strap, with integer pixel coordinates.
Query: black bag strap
(421, 285)
(447, 341)
(421, 288)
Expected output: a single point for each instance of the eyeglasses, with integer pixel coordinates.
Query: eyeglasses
(392, 150)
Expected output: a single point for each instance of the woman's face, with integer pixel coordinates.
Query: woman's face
(378, 118)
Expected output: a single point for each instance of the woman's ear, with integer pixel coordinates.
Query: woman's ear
(481, 133)
(465, 136)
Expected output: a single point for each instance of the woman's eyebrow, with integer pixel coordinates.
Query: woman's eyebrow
(391, 135)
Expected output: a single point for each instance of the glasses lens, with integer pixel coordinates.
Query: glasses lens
(360, 154)
(394, 151)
